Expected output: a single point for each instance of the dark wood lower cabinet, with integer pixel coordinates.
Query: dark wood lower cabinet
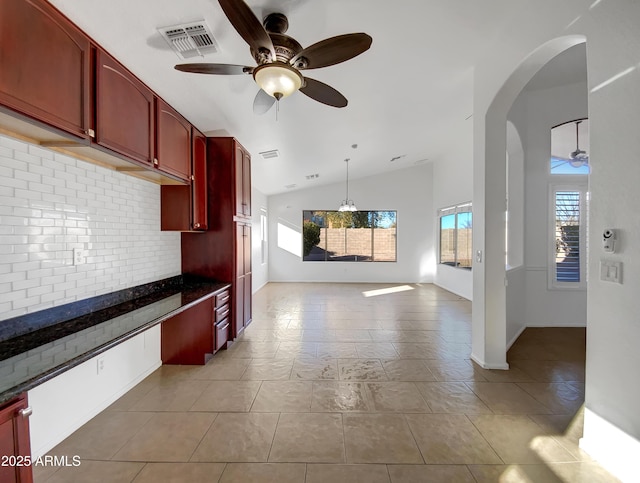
(15, 449)
(222, 319)
(193, 336)
(187, 338)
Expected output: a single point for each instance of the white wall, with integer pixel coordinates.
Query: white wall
(515, 197)
(452, 185)
(516, 297)
(51, 204)
(613, 60)
(534, 113)
(66, 402)
(612, 310)
(259, 270)
(408, 191)
(516, 287)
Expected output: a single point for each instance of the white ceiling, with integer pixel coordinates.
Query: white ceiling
(408, 94)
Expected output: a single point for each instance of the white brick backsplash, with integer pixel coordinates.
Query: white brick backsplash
(50, 204)
(14, 144)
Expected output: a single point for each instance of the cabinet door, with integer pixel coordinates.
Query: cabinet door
(246, 183)
(239, 252)
(246, 253)
(239, 180)
(173, 140)
(246, 314)
(242, 181)
(186, 338)
(44, 65)
(14, 440)
(124, 111)
(238, 315)
(199, 183)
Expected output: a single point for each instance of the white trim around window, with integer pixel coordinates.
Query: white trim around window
(567, 238)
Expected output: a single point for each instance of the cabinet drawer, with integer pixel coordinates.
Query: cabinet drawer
(221, 313)
(222, 298)
(222, 333)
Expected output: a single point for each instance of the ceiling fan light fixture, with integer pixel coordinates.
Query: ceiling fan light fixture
(278, 79)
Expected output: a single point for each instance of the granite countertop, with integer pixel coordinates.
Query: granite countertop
(32, 358)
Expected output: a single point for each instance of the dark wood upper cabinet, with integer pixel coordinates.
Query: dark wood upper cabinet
(242, 181)
(14, 440)
(199, 183)
(44, 65)
(124, 111)
(184, 207)
(173, 141)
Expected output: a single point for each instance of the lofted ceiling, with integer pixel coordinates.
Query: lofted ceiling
(408, 95)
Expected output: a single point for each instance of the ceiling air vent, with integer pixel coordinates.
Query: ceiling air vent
(190, 39)
(290, 186)
(270, 154)
(313, 176)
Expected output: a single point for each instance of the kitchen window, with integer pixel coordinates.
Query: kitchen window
(349, 236)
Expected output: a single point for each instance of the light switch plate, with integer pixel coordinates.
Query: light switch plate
(611, 271)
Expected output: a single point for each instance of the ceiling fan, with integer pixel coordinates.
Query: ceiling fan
(579, 157)
(280, 58)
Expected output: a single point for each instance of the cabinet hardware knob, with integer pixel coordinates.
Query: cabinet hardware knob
(91, 133)
(26, 412)
(193, 178)
(155, 161)
(197, 225)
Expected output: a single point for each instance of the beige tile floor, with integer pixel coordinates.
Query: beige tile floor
(330, 385)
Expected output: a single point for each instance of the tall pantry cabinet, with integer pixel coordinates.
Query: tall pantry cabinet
(223, 252)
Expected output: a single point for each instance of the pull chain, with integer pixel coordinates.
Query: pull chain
(278, 96)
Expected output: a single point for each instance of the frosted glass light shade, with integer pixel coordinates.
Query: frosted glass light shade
(278, 79)
(347, 205)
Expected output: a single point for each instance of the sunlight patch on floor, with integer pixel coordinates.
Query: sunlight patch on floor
(386, 291)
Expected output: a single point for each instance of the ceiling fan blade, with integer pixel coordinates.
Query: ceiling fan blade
(218, 69)
(323, 93)
(332, 51)
(248, 25)
(263, 102)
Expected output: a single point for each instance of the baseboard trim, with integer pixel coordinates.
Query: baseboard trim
(564, 324)
(610, 446)
(486, 365)
(253, 292)
(515, 337)
(444, 287)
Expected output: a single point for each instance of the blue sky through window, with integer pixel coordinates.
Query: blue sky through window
(562, 166)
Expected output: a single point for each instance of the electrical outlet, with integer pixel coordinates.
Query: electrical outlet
(78, 256)
(100, 365)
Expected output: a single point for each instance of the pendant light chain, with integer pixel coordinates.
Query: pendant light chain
(347, 204)
(347, 160)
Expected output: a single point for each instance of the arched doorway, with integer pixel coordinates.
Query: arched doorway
(489, 339)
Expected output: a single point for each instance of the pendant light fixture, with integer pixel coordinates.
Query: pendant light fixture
(347, 204)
